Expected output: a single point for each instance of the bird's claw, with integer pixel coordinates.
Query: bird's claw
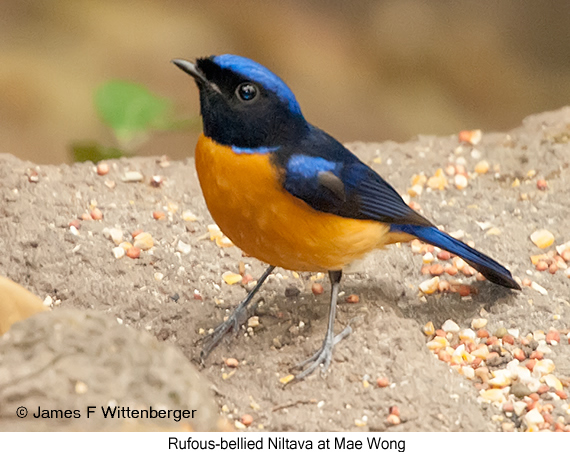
(322, 356)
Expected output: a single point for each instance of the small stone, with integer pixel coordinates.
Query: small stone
(520, 390)
(118, 252)
(500, 332)
(477, 324)
(542, 238)
(132, 176)
(80, 387)
(188, 216)
(508, 426)
(292, 291)
(533, 417)
(253, 321)
(449, 326)
(144, 241)
(183, 247)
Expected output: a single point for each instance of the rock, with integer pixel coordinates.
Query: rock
(113, 363)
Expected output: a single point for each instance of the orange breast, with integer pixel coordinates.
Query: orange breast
(243, 194)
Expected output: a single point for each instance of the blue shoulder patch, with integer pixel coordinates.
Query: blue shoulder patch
(260, 74)
(307, 167)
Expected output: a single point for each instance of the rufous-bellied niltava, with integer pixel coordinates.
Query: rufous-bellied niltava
(291, 195)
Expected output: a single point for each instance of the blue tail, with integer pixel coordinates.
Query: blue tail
(488, 267)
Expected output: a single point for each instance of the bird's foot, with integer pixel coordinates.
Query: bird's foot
(233, 322)
(322, 356)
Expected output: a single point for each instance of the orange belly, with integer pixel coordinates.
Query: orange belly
(243, 194)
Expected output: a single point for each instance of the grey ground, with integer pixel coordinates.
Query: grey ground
(41, 254)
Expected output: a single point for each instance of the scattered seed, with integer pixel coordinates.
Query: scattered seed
(470, 136)
(156, 181)
(232, 362)
(438, 181)
(287, 379)
(382, 382)
(430, 286)
(133, 252)
(449, 326)
(144, 241)
(352, 299)
(247, 420)
(460, 181)
(542, 238)
(96, 214)
(118, 252)
(553, 337)
(428, 329)
(393, 419)
(541, 184)
(183, 247)
(482, 167)
(317, 288)
(158, 215)
(231, 278)
(102, 168)
(132, 176)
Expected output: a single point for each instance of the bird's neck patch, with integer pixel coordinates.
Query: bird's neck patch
(258, 150)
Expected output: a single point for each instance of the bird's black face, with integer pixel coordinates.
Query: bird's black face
(243, 104)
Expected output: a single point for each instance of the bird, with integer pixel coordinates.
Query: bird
(291, 195)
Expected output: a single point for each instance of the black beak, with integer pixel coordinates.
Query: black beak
(191, 69)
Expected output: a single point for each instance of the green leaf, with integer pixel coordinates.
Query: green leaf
(89, 150)
(131, 109)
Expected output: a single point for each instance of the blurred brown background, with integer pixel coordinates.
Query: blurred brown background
(361, 69)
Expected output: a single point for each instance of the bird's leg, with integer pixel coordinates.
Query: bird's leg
(233, 321)
(324, 354)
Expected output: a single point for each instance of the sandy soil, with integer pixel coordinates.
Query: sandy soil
(40, 253)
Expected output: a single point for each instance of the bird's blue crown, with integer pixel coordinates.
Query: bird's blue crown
(260, 74)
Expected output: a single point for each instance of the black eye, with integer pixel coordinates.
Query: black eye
(247, 91)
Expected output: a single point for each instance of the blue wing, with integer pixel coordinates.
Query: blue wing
(328, 177)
